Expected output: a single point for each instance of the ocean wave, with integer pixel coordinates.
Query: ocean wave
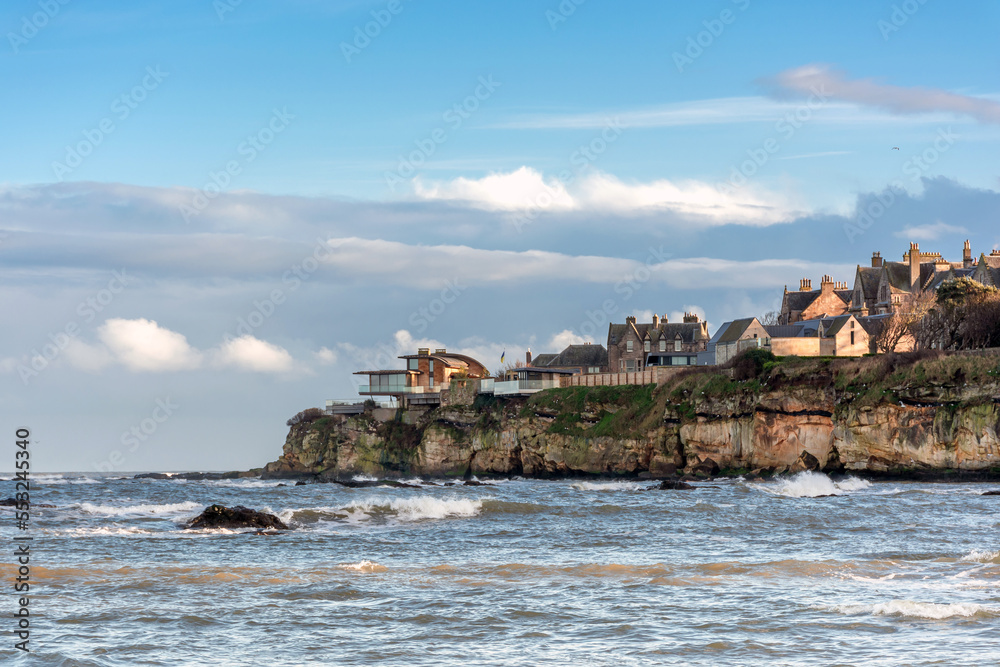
(608, 486)
(811, 485)
(363, 566)
(910, 608)
(54, 480)
(977, 556)
(106, 531)
(168, 508)
(245, 483)
(386, 510)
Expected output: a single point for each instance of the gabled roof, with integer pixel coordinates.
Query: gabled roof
(844, 294)
(872, 323)
(543, 359)
(898, 275)
(783, 330)
(835, 325)
(736, 329)
(687, 331)
(869, 276)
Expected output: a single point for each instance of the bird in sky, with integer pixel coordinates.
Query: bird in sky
(895, 148)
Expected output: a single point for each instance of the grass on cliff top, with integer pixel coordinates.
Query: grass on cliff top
(618, 411)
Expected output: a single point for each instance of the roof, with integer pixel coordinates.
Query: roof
(869, 276)
(688, 332)
(536, 369)
(575, 355)
(844, 294)
(836, 325)
(784, 330)
(736, 329)
(719, 333)
(401, 372)
(872, 323)
(799, 300)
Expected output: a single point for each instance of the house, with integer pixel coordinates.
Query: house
(581, 359)
(633, 346)
(735, 337)
(421, 382)
(526, 380)
(830, 300)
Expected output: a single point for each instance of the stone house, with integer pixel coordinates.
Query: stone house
(635, 346)
(737, 336)
(581, 359)
(830, 300)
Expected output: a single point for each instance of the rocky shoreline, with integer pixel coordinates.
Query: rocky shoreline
(921, 417)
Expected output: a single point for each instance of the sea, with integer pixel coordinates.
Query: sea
(804, 570)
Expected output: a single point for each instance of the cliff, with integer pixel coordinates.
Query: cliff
(900, 414)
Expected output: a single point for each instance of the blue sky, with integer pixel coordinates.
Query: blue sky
(532, 157)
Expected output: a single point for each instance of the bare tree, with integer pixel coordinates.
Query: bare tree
(904, 322)
(770, 318)
(509, 366)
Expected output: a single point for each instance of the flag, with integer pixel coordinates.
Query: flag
(503, 355)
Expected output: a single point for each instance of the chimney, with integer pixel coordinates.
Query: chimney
(805, 285)
(527, 357)
(423, 350)
(914, 257)
(630, 319)
(876, 260)
(656, 320)
(967, 255)
(441, 350)
(663, 320)
(690, 318)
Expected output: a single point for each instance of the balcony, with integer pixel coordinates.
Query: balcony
(390, 390)
(523, 387)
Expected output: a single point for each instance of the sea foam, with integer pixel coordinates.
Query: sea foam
(169, 508)
(608, 486)
(914, 609)
(811, 485)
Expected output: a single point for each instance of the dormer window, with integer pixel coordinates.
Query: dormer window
(645, 346)
(663, 346)
(677, 345)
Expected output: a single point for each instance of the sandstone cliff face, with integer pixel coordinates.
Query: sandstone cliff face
(941, 428)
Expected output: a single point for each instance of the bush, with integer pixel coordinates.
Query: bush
(306, 416)
(750, 364)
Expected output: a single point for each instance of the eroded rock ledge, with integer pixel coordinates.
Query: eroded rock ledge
(906, 416)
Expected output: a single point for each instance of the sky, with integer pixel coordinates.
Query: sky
(213, 212)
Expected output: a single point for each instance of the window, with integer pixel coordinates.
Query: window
(628, 346)
(594, 369)
(413, 364)
(630, 365)
(852, 337)
(645, 346)
(677, 346)
(663, 346)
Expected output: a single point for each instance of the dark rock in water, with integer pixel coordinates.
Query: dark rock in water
(301, 483)
(806, 461)
(991, 493)
(472, 482)
(368, 483)
(11, 502)
(672, 485)
(152, 475)
(220, 516)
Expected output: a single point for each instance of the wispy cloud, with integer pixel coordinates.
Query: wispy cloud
(831, 83)
(930, 232)
(811, 155)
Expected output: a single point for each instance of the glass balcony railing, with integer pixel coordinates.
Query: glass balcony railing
(523, 386)
(385, 390)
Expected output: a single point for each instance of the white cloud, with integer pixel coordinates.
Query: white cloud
(252, 354)
(143, 345)
(325, 356)
(832, 84)
(565, 338)
(930, 232)
(525, 189)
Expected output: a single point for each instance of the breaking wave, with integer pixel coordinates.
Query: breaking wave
(385, 510)
(932, 610)
(977, 556)
(169, 508)
(812, 485)
(608, 486)
(363, 566)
